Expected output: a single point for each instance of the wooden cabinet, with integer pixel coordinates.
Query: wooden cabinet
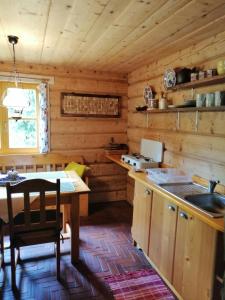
(179, 245)
(141, 215)
(162, 235)
(194, 258)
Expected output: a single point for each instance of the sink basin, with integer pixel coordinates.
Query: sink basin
(211, 203)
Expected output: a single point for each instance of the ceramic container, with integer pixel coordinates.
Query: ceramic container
(200, 100)
(163, 103)
(210, 99)
(221, 67)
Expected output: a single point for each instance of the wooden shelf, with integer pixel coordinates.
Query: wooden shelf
(199, 83)
(183, 109)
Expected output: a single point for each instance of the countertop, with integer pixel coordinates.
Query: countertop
(174, 194)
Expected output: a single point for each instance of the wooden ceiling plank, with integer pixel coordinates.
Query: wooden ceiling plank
(130, 18)
(189, 57)
(27, 20)
(161, 38)
(139, 37)
(157, 17)
(81, 18)
(192, 38)
(111, 13)
(105, 34)
(4, 45)
(157, 46)
(56, 22)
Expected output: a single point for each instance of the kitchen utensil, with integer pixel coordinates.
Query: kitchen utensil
(141, 108)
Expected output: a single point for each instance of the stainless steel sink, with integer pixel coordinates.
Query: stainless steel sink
(211, 203)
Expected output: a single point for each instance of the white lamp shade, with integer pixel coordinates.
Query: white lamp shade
(15, 98)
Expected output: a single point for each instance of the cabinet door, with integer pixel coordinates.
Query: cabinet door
(194, 258)
(141, 215)
(162, 235)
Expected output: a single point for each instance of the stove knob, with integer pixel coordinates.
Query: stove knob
(128, 161)
(147, 159)
(134, 164)
(123, 158)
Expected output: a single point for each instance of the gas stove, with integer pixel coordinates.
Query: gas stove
(139, 161)
(149, 157)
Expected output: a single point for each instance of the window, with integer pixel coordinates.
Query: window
(20, 136)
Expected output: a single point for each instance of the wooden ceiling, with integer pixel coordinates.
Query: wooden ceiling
(107, 35)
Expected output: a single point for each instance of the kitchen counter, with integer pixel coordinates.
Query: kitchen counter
(216, 223)
(175, 194)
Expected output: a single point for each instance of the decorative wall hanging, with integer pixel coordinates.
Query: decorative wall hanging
(89, 105)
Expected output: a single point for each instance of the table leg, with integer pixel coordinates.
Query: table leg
(75, 224)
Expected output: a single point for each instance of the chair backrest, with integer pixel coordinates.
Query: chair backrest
(34, 188)
(37, 162)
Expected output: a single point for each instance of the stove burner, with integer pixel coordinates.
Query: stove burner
(139, 156)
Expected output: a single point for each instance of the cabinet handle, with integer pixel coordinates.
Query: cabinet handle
(171, 207)
(183, 215)
(147, 192)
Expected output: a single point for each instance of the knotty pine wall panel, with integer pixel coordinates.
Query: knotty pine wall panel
(82, 135)
(198, 149)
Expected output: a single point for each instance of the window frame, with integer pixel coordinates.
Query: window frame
(4, 121)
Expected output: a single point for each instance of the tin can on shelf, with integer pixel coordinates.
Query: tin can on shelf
(153, 103)
(211, 72)
(194, 76)
(201, 75)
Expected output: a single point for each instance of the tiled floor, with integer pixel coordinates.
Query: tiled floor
(105, 248)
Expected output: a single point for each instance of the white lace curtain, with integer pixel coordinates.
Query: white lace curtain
(43, 121)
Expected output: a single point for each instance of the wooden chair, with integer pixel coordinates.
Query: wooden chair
(31, 227)
(1, 243)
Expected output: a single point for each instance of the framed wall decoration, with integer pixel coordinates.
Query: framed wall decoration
(90, 105)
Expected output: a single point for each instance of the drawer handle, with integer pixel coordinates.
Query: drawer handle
(171, 207)
(183, 215)
(147, 192)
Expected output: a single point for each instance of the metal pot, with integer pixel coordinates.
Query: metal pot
(183, 75)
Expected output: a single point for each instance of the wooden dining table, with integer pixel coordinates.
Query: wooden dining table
(71, 186)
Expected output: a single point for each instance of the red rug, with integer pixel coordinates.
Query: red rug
(142, 284)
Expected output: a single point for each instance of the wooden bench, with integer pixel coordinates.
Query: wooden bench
(43, 163)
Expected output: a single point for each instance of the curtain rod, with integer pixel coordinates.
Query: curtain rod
(6, 76)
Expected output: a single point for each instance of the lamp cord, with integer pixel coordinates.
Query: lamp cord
(14, 65)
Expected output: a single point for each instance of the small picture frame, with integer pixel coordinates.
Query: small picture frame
(90, 105)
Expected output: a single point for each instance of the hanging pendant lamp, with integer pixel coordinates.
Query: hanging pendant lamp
(15, 97)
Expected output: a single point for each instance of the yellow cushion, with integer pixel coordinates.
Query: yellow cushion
(79, 169)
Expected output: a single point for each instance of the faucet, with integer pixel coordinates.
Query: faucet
(212, 185)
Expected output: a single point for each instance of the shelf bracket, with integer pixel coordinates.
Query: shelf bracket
(196, 120)
(178, 121)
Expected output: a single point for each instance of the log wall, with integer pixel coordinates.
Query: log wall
(199, 151)
(82, 135)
